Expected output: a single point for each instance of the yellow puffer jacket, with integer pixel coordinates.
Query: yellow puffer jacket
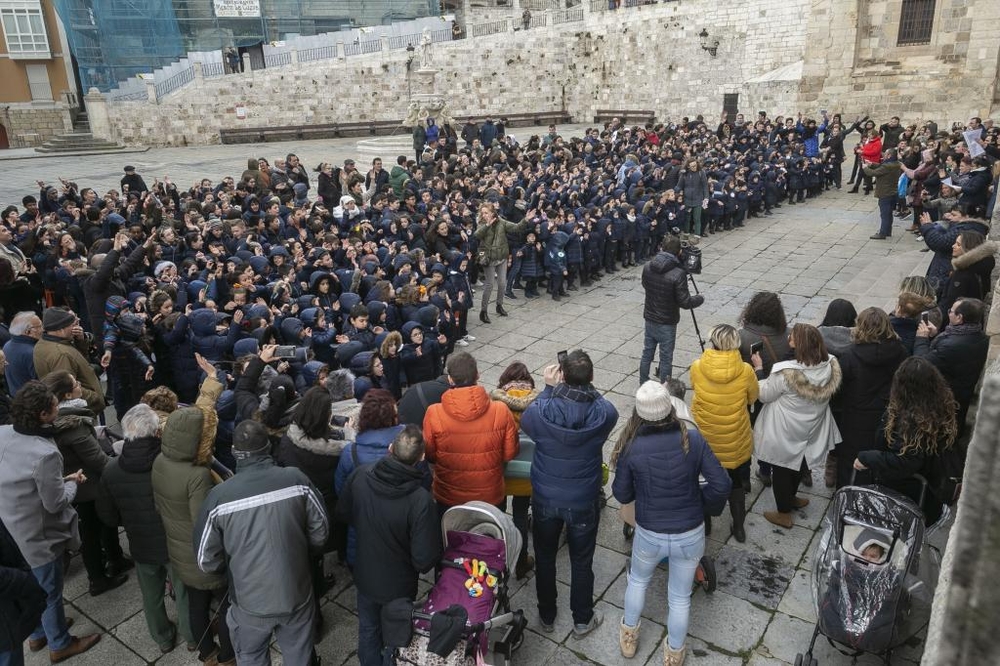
(723, 387)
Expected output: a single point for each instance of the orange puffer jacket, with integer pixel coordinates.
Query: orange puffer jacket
(469, 438)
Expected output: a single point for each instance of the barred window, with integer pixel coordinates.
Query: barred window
(24, 29)
(916, 21)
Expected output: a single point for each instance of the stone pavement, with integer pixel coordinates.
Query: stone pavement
(762, 612)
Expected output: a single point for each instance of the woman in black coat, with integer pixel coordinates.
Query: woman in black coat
(76, 438)
(868, 366)
(972, 265)
(919, 428)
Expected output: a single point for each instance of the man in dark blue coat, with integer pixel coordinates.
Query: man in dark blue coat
(26, 329)
(569, 423)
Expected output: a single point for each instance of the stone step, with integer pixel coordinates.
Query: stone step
(102, 147)
(75, 142)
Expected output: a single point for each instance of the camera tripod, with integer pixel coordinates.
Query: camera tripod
(694, 319)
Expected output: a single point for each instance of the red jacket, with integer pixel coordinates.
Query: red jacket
(872, 151)
(469, 438)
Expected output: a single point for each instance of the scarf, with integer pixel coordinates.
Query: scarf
(961, 329)
(575, 393)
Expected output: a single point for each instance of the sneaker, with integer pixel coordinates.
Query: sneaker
(581, 630)
(469, 338)
(461, 343)
(920, 239)
(906, 214)
(547, 627)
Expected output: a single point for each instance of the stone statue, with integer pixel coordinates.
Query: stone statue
(425, 49)
(412, 115)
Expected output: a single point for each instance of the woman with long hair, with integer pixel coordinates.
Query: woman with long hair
(867, 368)
(919, 426)
(516, 389)
(724, 386)
(658, 460)
(795, 429)
(763, 323)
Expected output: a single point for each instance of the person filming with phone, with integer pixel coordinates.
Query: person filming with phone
(569, 423)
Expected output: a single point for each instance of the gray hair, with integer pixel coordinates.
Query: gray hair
(140, 421)
(21, 322)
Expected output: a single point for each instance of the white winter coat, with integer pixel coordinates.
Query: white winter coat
(796, 422)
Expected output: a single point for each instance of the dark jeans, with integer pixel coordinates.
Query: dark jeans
(785, 484)
(885, 207)
(664, 336)
(581, 537)
(371, 651)
(99, 543)
(200, 612)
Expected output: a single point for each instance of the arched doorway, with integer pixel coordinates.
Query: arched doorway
(4, 141)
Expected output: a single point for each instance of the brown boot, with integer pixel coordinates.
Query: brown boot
(673, 657)
(628, 638)
(830, 471)
(800, 502)
(780, 519)
(77, 645)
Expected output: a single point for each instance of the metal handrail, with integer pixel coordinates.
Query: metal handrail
(176, 81)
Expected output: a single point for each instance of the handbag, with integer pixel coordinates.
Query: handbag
(481, 258)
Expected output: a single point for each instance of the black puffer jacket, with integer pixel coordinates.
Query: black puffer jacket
(22, 599)
(665, 282)
(404, 541)
(960, 357)
(126, 498)
(316, 458)
(109, 280)
(77, 441)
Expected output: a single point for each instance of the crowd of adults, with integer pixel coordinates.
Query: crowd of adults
(283, 350)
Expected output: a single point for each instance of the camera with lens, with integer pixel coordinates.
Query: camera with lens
(690, 256)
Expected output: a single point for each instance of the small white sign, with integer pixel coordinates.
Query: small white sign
(237, 8)
(241, 112)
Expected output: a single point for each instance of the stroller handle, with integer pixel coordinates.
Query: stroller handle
(919, 477)
(492, 623)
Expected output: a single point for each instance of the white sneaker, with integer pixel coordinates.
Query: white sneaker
(469, 338)
(461, 343)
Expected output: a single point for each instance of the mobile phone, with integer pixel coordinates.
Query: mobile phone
(925, 318)
(285, 351)
(756, 348)
(561, 358)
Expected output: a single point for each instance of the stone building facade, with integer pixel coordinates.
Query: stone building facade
(677, 58)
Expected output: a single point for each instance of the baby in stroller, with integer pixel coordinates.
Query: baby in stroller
(466, 618)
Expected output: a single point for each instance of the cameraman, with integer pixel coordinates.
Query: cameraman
(665, 282)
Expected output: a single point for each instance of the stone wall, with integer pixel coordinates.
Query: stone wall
(31, 124)
(782, 56)
(852, 62)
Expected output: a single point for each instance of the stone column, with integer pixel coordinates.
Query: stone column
(247, 69)
(295, 58)
(151, 91)
(199, 74)
(585, 5)
(97, 112)
(385, 43)
(341, 53)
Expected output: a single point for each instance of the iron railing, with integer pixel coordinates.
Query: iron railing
(319, 53)
(210, 70)
(489, 28)
(278, 59)
(178, 80)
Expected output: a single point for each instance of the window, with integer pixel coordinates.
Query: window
(38, 82)
(916, 19)
(24, 28)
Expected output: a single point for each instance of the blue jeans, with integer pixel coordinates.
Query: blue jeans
(53, 626)
(371, 650)
(514, 274)
(885, 207)
(581, 537)
(664, 335)
(648, 549)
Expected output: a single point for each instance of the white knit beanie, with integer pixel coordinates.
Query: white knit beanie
(652, 402)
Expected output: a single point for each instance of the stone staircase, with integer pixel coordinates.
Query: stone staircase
(80, 140)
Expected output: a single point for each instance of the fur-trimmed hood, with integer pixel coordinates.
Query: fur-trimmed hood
(326, 446)
(816, 383)
(975, 255)
(517, 396)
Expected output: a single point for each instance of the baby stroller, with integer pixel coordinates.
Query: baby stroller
(467, 615)
(873, 575)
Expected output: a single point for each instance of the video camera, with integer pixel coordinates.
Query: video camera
(690, 256)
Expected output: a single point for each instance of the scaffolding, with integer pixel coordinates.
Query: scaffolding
(112, 40)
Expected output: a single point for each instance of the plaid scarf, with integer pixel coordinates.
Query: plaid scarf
(577, 394)
(961, 329)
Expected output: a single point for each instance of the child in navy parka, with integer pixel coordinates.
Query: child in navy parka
(555, 263)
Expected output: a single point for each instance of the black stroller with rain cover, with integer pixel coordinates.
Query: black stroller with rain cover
(873, 574)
